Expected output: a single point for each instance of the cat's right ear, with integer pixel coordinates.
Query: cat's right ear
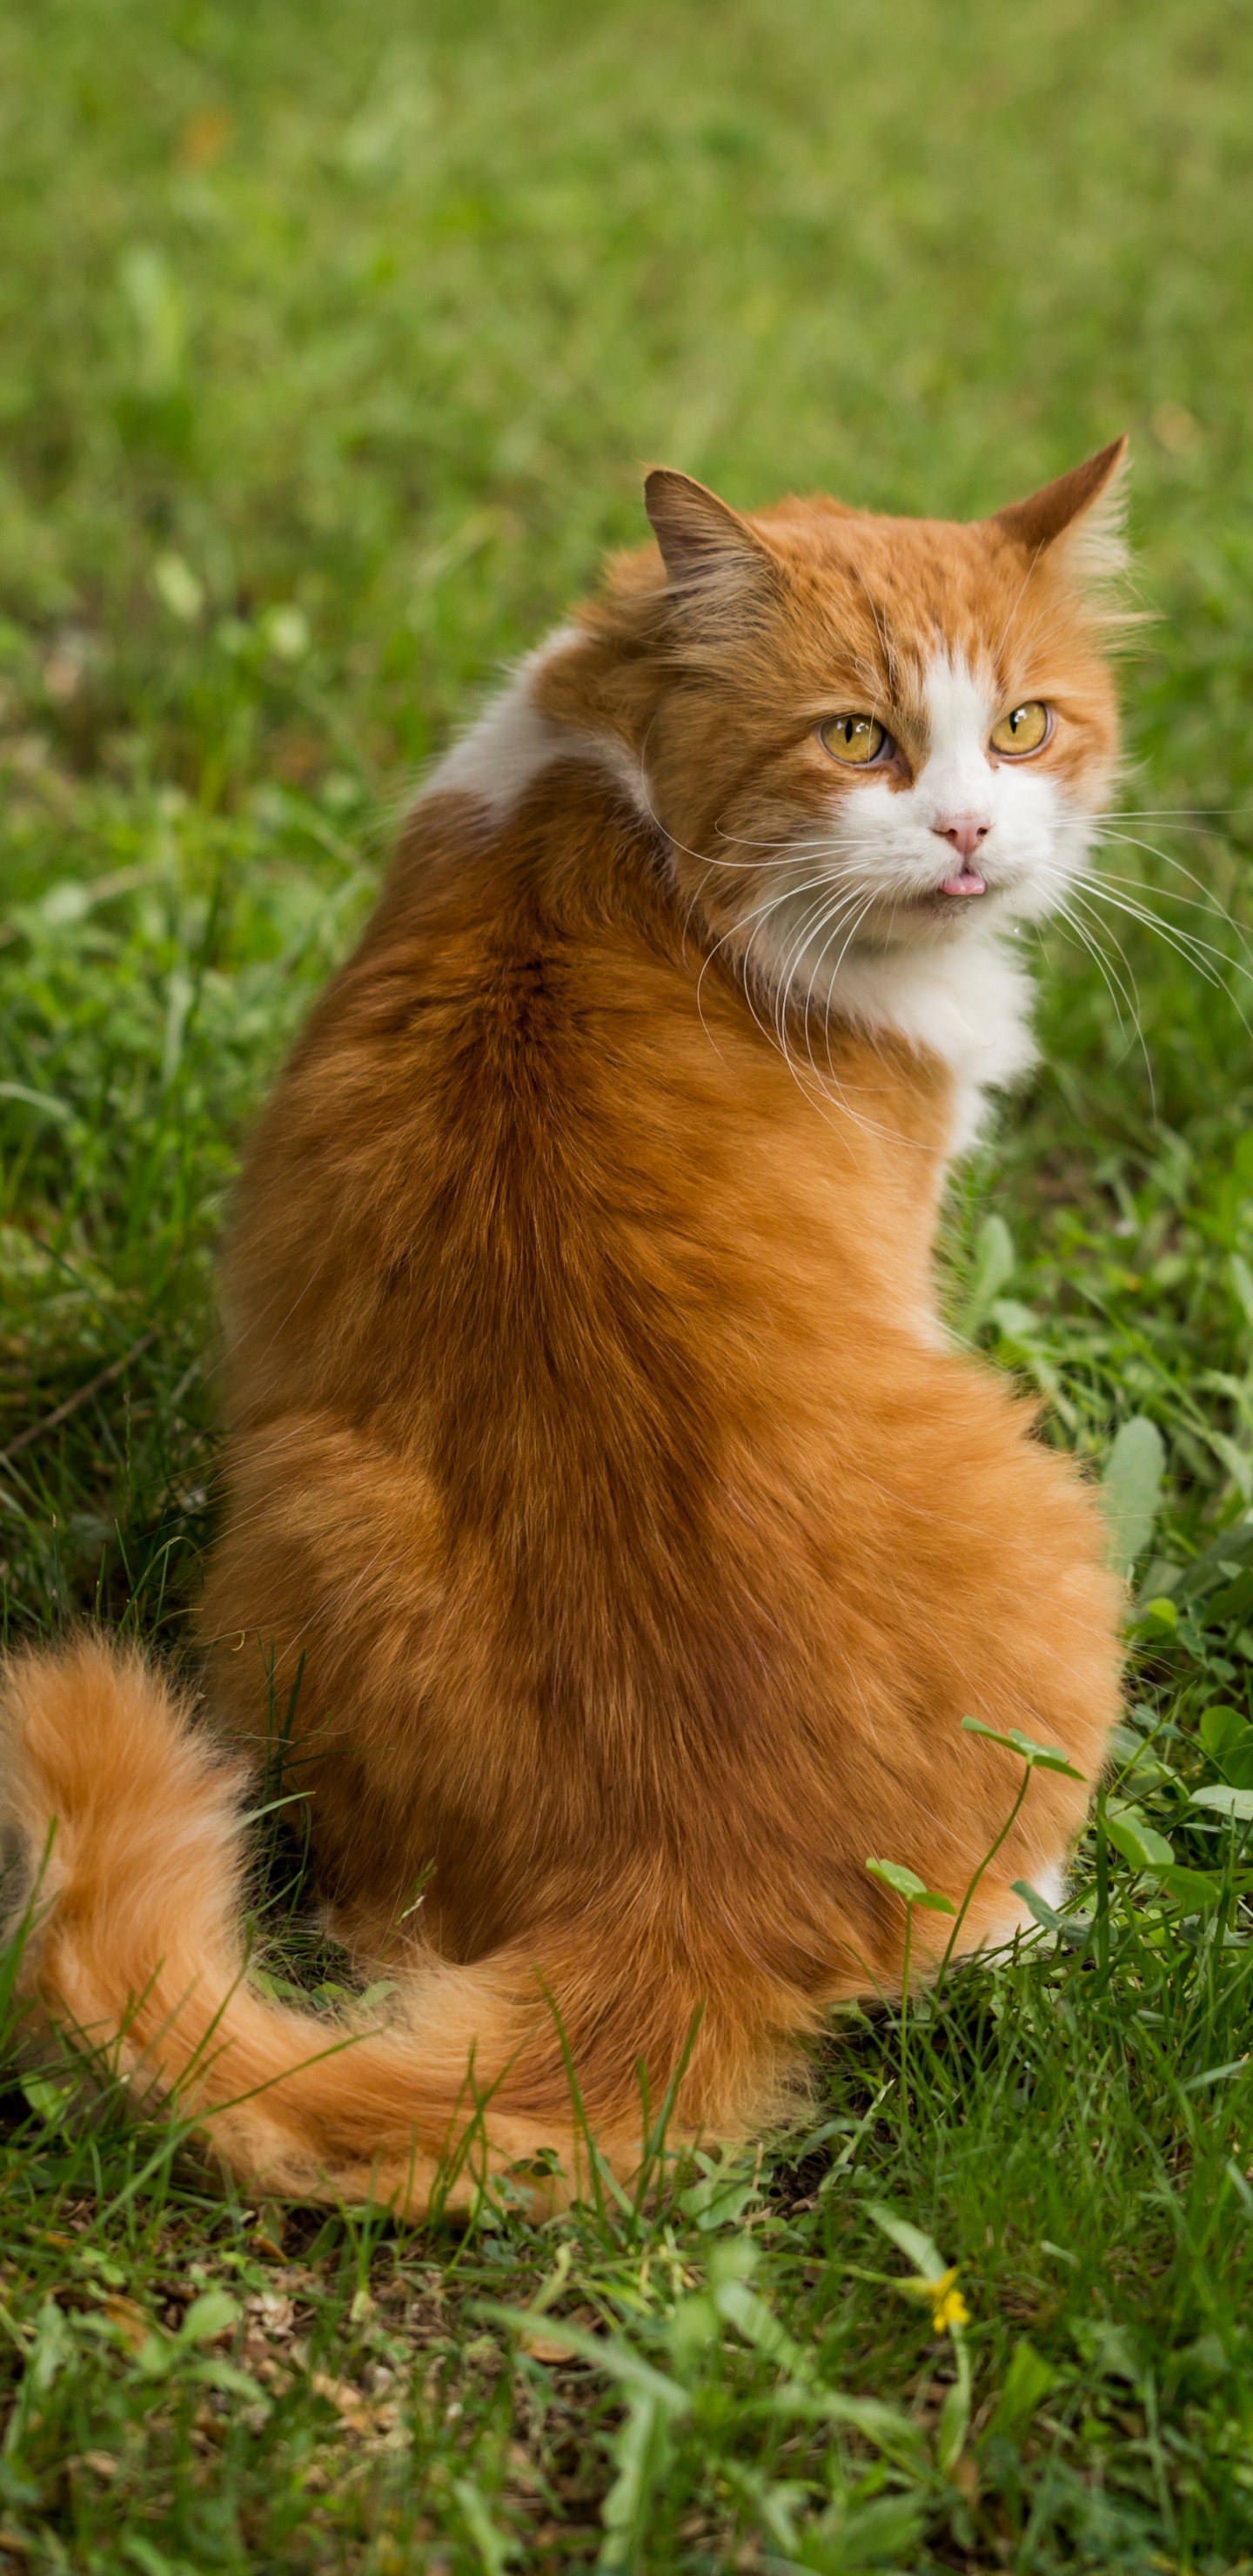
(705, 545)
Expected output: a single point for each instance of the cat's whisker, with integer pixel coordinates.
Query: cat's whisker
(1114, 986)
(786, 894)
(816, 918)
(790, 850)
(1182, 814)
(1208, 900)
(1194, 903)
(769, 903)
(1193, 952)
(827, 919)
(851, 934)
(857, 841)
(1124, 972)
(1198, 951)
(1185, 947)
(840, 901)
(836, 897)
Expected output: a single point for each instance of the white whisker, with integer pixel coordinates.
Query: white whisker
(1185, 941)
(1115, 986)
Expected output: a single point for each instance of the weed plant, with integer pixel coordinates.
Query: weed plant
(333, 339)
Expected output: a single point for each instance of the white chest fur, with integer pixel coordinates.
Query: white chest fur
(968, 1003)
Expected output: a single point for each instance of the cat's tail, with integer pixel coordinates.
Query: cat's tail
(124, 1845)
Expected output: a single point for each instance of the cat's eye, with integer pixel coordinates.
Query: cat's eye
(1025, 729)
(855, 739)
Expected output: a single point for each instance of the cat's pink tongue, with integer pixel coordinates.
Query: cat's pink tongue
(965, 881)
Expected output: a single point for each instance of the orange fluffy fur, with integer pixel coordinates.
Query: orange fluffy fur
(597, 1466)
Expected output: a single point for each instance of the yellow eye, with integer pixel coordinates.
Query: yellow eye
(854, 739)
(1022, 731)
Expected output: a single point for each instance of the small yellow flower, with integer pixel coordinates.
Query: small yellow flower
(949, 2311)
(948, 2308)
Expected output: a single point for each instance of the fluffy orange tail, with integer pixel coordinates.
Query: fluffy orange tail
(129, 1832)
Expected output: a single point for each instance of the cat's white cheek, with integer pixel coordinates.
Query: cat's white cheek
(1038, 841)
(886, 846)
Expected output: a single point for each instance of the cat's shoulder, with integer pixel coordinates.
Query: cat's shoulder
(512, 741)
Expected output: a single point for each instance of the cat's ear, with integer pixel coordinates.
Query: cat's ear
(705, 545)
(1083, 508)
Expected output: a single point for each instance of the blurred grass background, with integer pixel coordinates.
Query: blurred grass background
(332, 340)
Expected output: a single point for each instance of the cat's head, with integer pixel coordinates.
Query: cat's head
(873, 730)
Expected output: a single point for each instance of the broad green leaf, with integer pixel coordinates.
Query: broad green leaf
(146, 2557)
(1108, 2348)
(1242, 1282)
(1045, 1914)
(376, 1994)
(1018, 1323)
(1040, 1757)
(1027, 2383)
(1228, 1739)
(1073, 1928)
(954, 2421)
(917, 2248)
(732, 2258)
(1131, 1488)
(1193, 1887)
(910, 1888)
(759, 2326)
(903, 1882)
(1224, 1801)
(1216, 2075)
(213, 2313)
(1137, 1840)
(50, 2100)
(1221, 1729)
(641, 2456)
(1160, 1612)
(1217, 1563)
(723, 2192)
(1238, 1765)
(886, 2426)
(178, 588)
(693, 2327)
(608, 2352)
(158, 2356)
(1236, 1460)
(52, 2348)
(851, 2537)
(1231, 1604)
(216, 2373)
(494, 2547)
(994, 1264)
(889, 2429)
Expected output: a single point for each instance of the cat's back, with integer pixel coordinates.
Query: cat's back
(529, 1117)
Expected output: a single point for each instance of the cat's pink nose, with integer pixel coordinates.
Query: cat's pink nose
(963, 832)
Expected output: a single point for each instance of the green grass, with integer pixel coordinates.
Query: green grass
(332, 340)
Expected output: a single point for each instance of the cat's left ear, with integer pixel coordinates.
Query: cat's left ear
(1083, 510)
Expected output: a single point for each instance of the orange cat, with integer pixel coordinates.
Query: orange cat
(601, 1482)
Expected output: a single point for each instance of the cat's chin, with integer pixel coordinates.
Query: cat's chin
(936, 920)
